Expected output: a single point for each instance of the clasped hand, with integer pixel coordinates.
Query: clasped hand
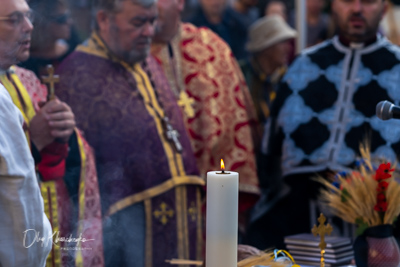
(54, 120)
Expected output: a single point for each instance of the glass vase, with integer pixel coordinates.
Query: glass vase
(377, 247)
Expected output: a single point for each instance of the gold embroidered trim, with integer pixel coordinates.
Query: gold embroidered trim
(49, 194)
(29, 111)
(154, 191)
(185, 221)
(179, 222)
(149, 234)
(82, 200)
(200, 242)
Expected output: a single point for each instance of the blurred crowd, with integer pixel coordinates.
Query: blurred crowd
(238, 22)
(260, 34)
(230, 19)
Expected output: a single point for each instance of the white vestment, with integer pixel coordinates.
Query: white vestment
(25, 231)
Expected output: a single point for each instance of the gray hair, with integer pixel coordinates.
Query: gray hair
(114, 6)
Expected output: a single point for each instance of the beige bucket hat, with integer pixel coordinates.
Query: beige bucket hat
(268, 31)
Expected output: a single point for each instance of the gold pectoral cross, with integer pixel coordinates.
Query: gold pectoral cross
(51, 79)
(172, 135)
(186, 103)
(321, 230)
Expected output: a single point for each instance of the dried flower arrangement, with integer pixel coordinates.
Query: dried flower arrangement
(368, 196)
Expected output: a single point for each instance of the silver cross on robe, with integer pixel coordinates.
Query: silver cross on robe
(172, 135)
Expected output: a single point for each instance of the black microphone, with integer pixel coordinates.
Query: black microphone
(386, 110)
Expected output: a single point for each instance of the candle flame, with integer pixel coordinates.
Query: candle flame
(222, 165)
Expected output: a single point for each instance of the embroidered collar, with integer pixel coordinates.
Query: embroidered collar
(96, 46)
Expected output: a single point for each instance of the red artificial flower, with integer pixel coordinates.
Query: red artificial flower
(382, 186)
(381, 206)
(383, 172)
(381, 197)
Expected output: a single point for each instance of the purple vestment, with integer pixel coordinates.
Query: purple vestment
(118, 108)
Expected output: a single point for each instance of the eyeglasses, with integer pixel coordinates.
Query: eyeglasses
(17, 18)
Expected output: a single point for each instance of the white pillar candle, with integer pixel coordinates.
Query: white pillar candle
(222, 219)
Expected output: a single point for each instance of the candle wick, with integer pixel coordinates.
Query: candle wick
(223, 171)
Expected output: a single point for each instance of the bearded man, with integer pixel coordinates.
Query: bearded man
(63, 159)
(323, 110)
(149, 183)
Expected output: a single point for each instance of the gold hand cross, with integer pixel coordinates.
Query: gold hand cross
(321, 230)
(51, 79)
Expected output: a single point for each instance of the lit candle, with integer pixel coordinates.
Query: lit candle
(222, 218)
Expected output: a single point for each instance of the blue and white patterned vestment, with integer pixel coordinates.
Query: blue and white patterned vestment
(326, 107)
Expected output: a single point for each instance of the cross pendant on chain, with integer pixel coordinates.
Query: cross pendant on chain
(172, 135)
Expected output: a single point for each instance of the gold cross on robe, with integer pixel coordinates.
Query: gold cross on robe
(193, 211)
(321, 230)
(186, 103)
(163, 213)
(51, 79)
